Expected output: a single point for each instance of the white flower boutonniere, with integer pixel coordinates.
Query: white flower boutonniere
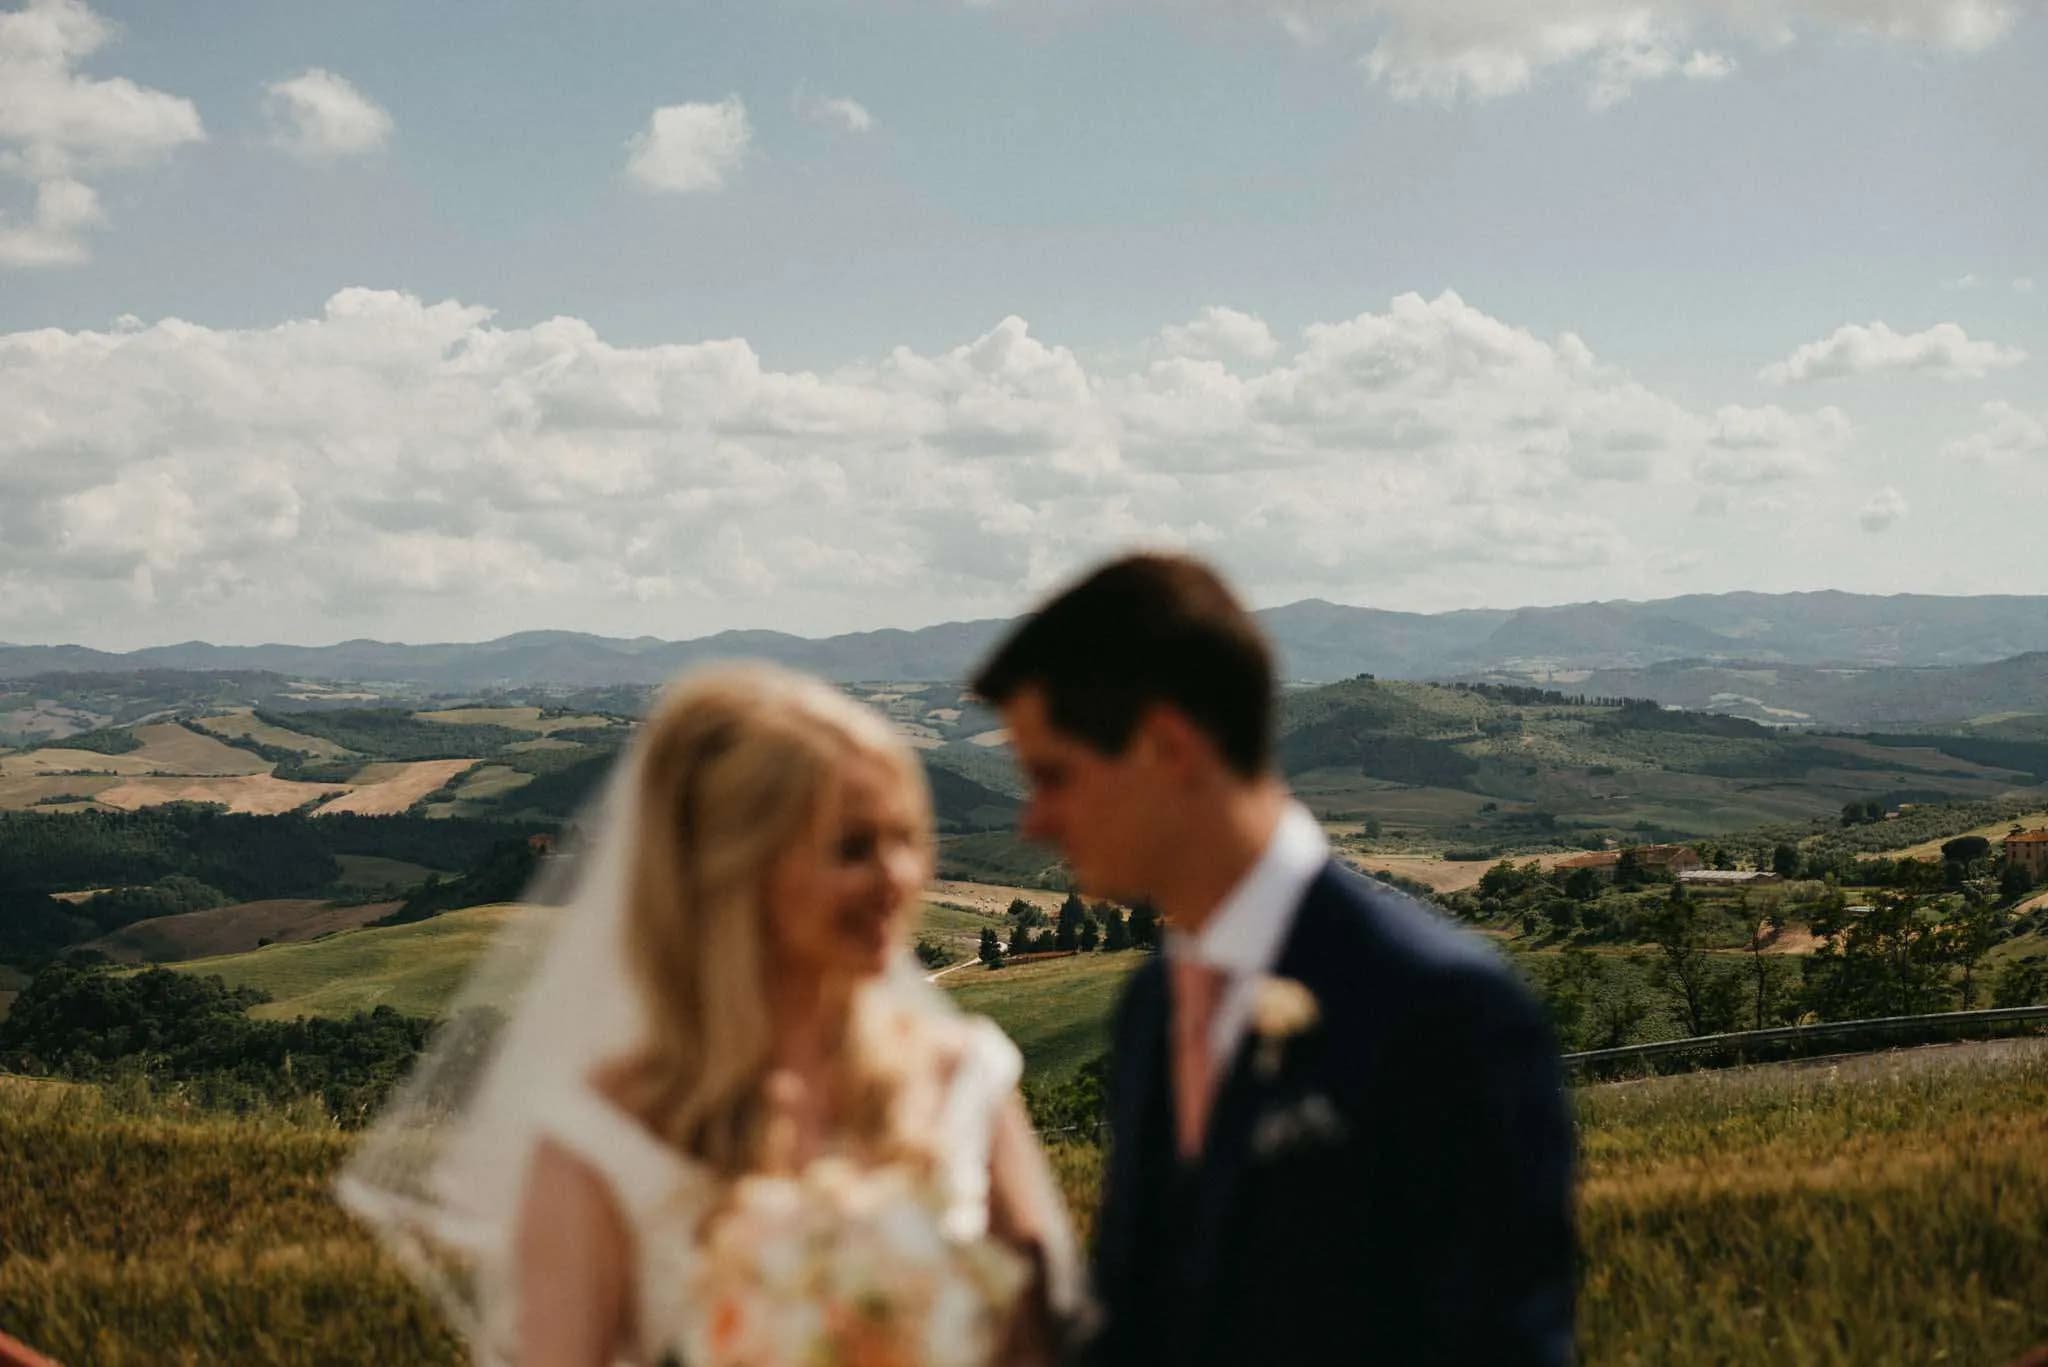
(1281, 1009)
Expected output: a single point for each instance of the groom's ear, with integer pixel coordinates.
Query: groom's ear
(1166, 740)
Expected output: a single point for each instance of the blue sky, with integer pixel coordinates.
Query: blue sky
(788, 395)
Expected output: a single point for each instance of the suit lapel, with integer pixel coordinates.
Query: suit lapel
(1227, 1144)
(1140, 1065)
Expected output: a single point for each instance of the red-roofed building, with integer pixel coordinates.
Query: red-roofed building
(1672, 859)
(2028, 850)
(1603, 860)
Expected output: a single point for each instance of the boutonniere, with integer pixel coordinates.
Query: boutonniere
(1281, 1009)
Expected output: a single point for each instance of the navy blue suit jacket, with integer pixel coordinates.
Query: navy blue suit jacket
(1392, 1185)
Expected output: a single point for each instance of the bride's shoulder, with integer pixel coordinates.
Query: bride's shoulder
(963, 1054)
(594, 1122)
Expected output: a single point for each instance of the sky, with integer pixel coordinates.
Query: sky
(428, 322)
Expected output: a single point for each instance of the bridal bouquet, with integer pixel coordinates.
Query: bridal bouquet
(844, 1267)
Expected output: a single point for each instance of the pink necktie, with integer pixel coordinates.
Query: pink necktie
(1197, 991)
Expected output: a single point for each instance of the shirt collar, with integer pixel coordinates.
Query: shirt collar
(1244, 934)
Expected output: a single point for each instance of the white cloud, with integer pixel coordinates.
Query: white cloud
(837, 111)
(319, 116)
(690, 147)
(2023, 284)
(1486, 49)
(1967, 281)
(1769, 445)
(1944, 350)
(1885, 507)
(406, 463)
(1220, 334)
(58, 128)
(1708, 66)
(2009, 434)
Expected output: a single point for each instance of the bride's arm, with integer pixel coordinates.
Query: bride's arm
(1027, 1213)
(573, 1265)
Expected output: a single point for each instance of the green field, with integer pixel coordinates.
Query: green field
(1885, 1210)
(1056, 1009)
(413, 968)
(374, 871)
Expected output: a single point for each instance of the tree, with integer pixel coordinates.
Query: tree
(1023, 915)
(1764, 927)
(2022, 982)
(1563, 914)
(1969, 935)
(1567, 994)
(1502, 880)
(1091, 934)
(1067, 936)
(1706, 996)
(991, 948)
(1144, 926)
(1116, 932)
(931, 953)
(1628, 869)
(1785, 861)
(1619, 1008)
(2014, 883)
(1965, 849)
(1891, 960)
(1582, 886)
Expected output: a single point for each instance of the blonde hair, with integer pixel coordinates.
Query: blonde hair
(737, 765)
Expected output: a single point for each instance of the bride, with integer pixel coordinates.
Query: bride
(704, 1111)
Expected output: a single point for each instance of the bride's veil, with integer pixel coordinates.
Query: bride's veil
(441, 1172)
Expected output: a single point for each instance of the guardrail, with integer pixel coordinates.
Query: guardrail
(1742, 1041)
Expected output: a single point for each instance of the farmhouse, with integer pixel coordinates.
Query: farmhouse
(1728, 878)
(1672, 859)
(1601, 862)
(2028, 850)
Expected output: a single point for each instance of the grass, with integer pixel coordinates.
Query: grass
(512, 719)
(26, 791)
(375, 871)
(388, 788)
(231, 929)
(242, 722)
(1057, 1010)
(1887, 1209)
(414, 968)
(261, 794)
(1993, 831)
(999, 857)
(165, 1237)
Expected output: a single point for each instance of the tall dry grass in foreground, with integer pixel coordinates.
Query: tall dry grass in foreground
(1888, 1210)
(133, 1231)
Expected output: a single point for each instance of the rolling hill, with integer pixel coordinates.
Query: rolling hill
(1840, 697)
(1317, 641)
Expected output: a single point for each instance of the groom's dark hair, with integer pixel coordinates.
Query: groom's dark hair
(1141, 630)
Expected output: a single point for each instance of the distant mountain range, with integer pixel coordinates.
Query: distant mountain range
(1318, 641)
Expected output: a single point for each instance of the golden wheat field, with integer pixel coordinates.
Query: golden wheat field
(1888, 1209)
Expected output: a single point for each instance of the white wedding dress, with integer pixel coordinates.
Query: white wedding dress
(834, 1241)
(834, 1254)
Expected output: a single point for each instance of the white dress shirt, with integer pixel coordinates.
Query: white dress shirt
(1244, 936)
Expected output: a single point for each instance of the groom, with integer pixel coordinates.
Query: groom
(1339, 1134)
